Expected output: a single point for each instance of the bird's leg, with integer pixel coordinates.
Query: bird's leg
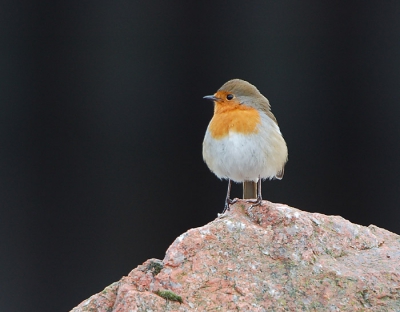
(258, 201)
(228, 200)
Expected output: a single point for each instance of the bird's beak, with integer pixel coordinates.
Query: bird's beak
(211, 97)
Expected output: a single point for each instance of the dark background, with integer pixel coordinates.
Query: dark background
(102, 122)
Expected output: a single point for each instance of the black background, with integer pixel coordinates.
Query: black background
(102, 122)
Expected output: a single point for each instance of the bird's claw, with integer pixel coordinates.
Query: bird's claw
(256, 202)
(228, 202)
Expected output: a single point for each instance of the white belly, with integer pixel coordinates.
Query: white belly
(242, 157)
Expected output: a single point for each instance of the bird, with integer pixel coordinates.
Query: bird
(243, 142)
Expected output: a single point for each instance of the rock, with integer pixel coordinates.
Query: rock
(267, 258)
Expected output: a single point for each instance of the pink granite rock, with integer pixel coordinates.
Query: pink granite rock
(268, 258)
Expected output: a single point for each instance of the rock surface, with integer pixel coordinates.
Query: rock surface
(268, 258)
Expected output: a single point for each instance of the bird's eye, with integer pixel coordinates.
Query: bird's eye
(229, 97)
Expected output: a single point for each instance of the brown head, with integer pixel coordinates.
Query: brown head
(237, 92)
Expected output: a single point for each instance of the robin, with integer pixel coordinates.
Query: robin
(243, 142)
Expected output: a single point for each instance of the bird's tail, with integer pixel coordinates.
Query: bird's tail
(249, 190)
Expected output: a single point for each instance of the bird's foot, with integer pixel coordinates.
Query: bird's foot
(254, 202)
(228, 202)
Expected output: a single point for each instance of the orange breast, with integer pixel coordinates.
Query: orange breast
(237, 118)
